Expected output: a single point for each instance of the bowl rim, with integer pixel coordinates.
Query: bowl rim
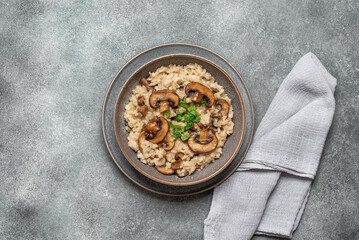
(184, 183)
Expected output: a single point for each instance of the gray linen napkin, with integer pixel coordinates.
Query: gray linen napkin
(268, 193)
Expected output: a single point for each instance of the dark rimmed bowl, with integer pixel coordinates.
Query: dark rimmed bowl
(231, 146)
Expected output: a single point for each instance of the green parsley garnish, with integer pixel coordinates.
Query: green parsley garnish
(188, 126)
(182, 103)
(192, 111)
(172, 125)
(181, 111)
(197, 119)
(168, 113)
(186, 118)
(203, 103)
(176, 133)
(189, 115)
(178, 117)
(184, 137)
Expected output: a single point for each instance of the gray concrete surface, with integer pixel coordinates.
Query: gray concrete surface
(57, 59)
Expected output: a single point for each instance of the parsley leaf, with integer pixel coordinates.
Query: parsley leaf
(197, 119)
(188, 126)
(186, 118)
(179, 114)
(192, 110)
(176, 133)
(203, 103)
(189, 115)
(182, 102)
(181, 111)
(178, 117)
(172, 125)
(168, 113)
(184, 137)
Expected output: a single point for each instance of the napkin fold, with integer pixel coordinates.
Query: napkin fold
(268, 193)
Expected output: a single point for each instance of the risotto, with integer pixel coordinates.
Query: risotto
(178, 119)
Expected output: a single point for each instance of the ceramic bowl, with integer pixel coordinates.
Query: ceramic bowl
(230, 148)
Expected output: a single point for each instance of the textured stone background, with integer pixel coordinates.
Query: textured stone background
(57, 59)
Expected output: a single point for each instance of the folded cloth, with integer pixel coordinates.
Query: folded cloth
(268, 192)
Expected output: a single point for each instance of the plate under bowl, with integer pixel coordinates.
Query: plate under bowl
(109, 104)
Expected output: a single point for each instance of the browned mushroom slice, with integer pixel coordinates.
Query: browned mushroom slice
(164, 106)
(142, 105)
(179, 159)
(141, 101)
(164, 99)
(181, 173)
(146, 83)
(143, 110)
(200, 92)
(166, 171)
(202, 142)
(179, 156)
(141, 139)
(156, 130)
(168, 143)
(223, 109)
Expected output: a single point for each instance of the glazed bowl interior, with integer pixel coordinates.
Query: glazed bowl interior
(229, 149)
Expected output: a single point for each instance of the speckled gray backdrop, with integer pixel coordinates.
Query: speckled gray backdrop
(56, 61)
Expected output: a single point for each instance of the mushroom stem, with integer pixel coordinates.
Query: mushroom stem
(164, 106)
(203, 135)
(197, 97)
(143, 110)
(152, 128)
(177, 164)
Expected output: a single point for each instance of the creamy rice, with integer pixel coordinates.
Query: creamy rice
(175, 78)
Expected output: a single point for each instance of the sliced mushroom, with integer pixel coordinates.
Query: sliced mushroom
(181, 172)
(142, 105)
(168, 143)
(156, 129)
(164, 106)
(163, 99)
(141, 101)
(179, 159)
(166, 171)
(223, 109)
(177, 165)
(143, 110)
(146, 83)
(141, 139)
(202, 142)
(200, 92)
